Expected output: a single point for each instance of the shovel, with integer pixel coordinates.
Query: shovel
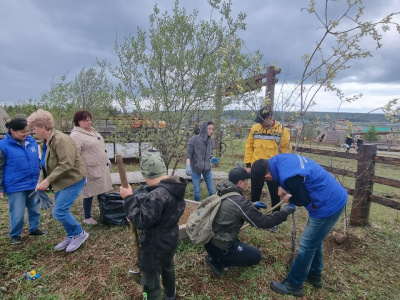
(124, 182)
(339, 237)
(268, 211)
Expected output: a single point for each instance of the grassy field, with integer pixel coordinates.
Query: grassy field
(365, 266)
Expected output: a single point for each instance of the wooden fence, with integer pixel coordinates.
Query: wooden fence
(365, 178)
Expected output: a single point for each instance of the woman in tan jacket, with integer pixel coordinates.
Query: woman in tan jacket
(63, 169)
(94, 154)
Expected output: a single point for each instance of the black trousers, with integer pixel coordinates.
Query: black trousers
(151, 281)
(238, 255)
(256, 190)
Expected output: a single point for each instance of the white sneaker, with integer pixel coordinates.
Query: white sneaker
(64, 244)
(90, 221)
(77, 241)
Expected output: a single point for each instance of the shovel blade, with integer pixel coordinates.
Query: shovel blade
(136, 276)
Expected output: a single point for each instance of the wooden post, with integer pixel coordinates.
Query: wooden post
(270, 85)
(364, 185)
(217, 122)
(115, 146)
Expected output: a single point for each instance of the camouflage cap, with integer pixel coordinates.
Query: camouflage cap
(152, 166)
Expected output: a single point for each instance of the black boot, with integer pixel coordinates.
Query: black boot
(215, 267)
(285, 288)
(315, 280)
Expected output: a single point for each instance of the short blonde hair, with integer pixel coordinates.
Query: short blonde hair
(41, 118)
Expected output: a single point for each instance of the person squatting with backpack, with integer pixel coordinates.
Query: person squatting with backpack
(155, 209)
(225, 249)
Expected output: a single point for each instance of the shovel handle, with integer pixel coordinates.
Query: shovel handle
(268, 211)
(121, 171)
(135, 240)
(125, 184)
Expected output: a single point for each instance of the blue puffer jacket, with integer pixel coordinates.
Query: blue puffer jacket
(21, 170)
(326, 193)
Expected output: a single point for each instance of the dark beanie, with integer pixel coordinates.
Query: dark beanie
(237, 174)
(263, 114)
(259, 169)
(17, 124)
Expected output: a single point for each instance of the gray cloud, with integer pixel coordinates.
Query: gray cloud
(42, 40)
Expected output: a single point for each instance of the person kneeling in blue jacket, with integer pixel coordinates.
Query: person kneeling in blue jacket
(303, 182)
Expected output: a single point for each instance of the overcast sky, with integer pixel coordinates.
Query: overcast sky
(41, 40)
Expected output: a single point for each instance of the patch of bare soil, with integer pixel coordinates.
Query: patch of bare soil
(190, 206)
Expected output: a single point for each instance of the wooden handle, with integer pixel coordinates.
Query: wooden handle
(125, 184)
(268, 211)
(136, 245)
(121, 171)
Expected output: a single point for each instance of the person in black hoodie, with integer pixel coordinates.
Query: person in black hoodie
(155, 209)
(198, 155)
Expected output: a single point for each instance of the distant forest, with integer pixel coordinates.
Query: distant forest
(312, 116)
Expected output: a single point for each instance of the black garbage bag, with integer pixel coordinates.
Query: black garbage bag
(112, 209)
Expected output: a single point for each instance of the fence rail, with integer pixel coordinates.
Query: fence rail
(365, 178)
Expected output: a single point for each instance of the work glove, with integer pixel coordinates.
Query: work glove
(41, 198)
(214, 160)
(259, 205)
(290, 208)
(188, 170)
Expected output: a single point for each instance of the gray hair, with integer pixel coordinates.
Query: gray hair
(41, 118)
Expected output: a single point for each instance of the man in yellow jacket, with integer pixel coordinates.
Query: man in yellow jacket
(267, 138)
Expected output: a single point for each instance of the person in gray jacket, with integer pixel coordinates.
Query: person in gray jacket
(225, 249)
(198, 159)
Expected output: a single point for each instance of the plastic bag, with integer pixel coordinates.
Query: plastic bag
(112, 209)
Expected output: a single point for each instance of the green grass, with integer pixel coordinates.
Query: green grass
(365, 266)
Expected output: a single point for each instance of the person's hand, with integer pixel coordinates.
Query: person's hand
(281, 192)
(214, 160)
(284, 195)
(248, 170)
(43, 185)
(259, 205)
(286, 198)
(188, 170)
(1, 195)
(290, 208)
(125, 191)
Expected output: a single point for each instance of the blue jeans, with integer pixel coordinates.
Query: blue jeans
(63, 201)
(309, 257)
(208, 178)
(17, 202)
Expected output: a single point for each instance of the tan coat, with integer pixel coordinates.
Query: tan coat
(94, 154)
(64, 165)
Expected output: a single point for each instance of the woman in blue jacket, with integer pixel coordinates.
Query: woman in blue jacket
(303, 182)
(19, 173)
